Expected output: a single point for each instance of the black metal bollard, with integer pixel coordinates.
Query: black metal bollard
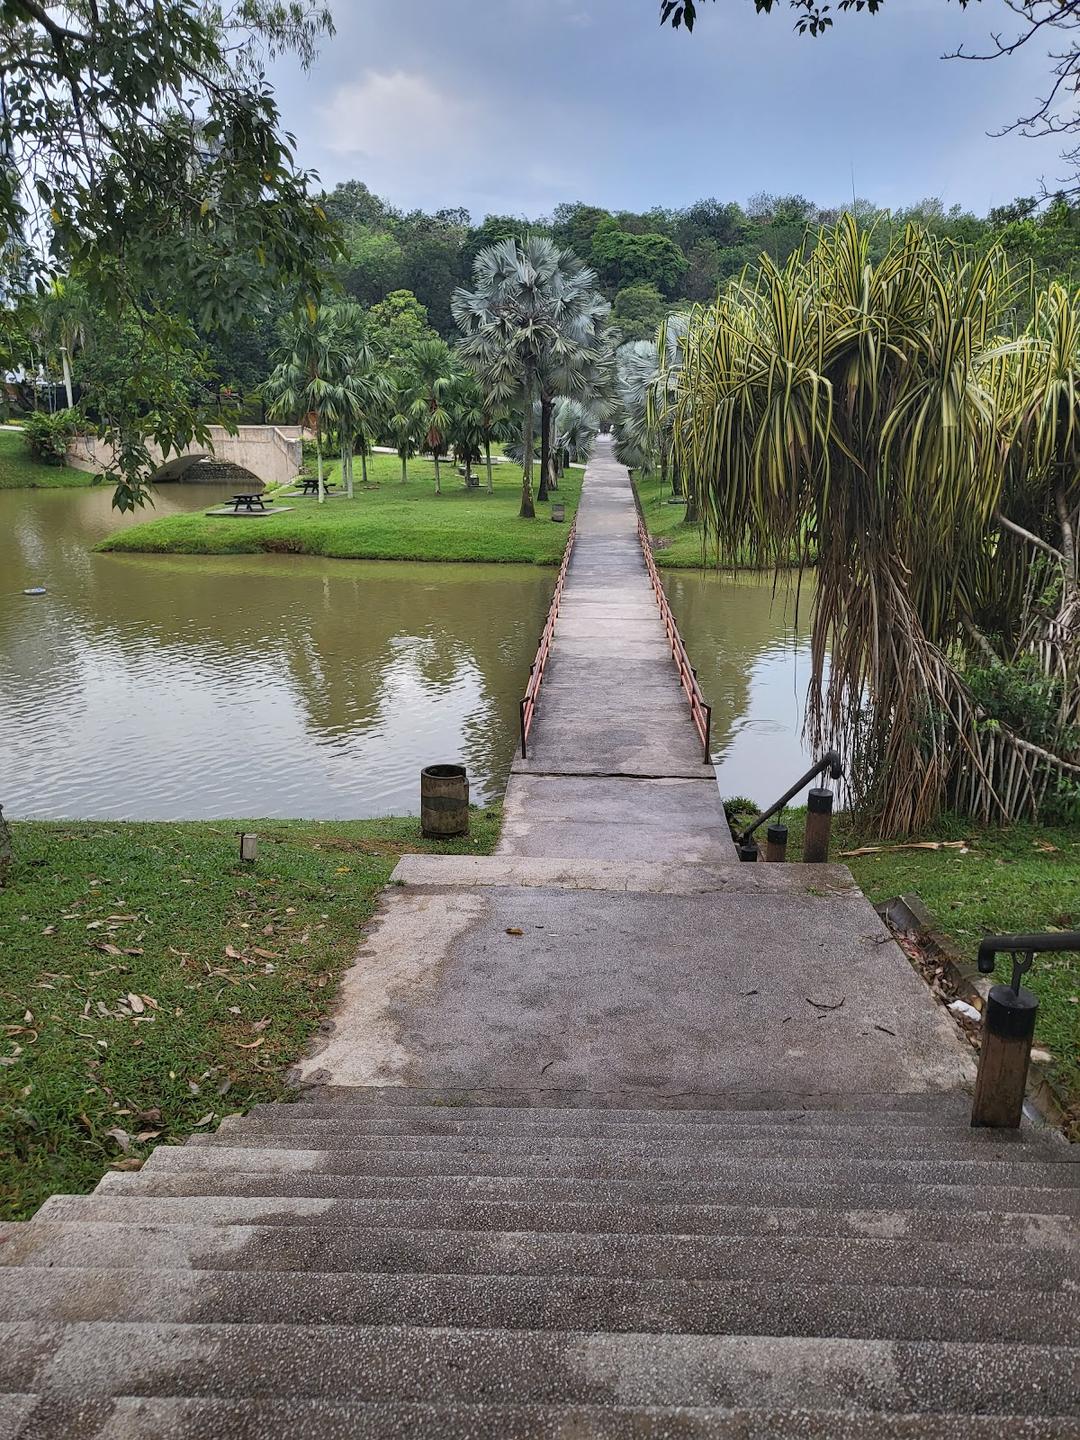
(819, 803)
(1008, 1029)
(748, 851)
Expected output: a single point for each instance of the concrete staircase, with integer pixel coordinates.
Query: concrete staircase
(396, 1263)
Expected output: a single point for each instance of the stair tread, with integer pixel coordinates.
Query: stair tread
(171, 1219)
(567, 1121)
(708, 1145)
(268, 1418)
(529, 1366)
(509, 1189)
(966, 1260)
(630, 1101)
(983, 1171)
(605, 1304)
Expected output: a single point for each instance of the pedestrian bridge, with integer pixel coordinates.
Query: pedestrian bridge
(272, 453)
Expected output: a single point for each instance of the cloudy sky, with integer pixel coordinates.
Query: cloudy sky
(510, 106)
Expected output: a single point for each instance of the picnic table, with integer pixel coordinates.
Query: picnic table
(310, 485)
(248, 500)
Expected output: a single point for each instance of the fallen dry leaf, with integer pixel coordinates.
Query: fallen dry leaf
(133, 1163)
(204, 1121)
(136, 1003)
(911, 845)
(122, 1138)
(514, 930)
(253, 1045)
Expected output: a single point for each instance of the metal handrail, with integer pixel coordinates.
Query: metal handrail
(700, 712)
(527, 704)
(1026, 945)
(829, 761)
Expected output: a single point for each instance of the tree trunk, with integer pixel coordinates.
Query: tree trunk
(404, 469)
(1068, 544)
(547, 409)
(676, 480)
(363, 460)
(346, 467)
(67, 377)
(7, 853)
(438, 477)
(528, 509)
(318, 461)
(487, 462)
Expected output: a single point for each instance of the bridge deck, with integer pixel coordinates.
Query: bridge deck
(615, 769)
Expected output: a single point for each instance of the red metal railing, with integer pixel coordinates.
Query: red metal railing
(700, 713)
(543, 650)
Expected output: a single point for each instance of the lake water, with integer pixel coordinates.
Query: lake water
(168, 687)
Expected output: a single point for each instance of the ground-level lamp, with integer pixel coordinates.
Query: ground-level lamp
(249, 846)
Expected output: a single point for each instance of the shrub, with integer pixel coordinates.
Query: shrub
(48, 436)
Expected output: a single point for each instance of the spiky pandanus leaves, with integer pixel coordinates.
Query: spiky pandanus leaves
(857, 414)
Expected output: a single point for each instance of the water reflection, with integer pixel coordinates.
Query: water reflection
(750, 644)
(202, 686)
(168, 686)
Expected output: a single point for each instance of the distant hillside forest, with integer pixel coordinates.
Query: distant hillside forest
(648, 263)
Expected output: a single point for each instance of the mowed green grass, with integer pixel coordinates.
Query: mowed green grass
(385, 521)
(19, 472)
(153, 984)
(1023, 879)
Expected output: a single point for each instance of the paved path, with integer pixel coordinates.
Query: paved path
(613, 945)
(615, 767)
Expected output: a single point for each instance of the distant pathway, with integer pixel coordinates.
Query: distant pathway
(615, 770)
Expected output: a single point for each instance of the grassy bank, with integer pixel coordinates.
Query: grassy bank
(676, 545)
(152, 984)
(19, 472)
(1026, 878)
(386, 521)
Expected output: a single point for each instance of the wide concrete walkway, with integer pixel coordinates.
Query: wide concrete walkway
(613, 947)
(615, 767)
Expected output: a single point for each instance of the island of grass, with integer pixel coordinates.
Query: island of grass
(19, 471)
(386, 520)
(153, 983)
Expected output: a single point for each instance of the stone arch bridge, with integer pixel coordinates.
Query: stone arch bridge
(272, 453)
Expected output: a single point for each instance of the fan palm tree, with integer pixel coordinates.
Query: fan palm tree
(403, 426)
(532, 306)
(307, 378)
(433, 375)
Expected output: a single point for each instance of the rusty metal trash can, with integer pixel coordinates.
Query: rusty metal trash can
(444, 801)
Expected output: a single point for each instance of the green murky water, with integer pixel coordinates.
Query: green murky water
(199, 687)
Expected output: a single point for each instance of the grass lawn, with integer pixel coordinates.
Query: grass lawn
(676, 545)
(387, 521)
(152, 984)
(1026, 878)
(19, 472)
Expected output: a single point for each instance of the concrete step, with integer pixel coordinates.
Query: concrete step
(698, 1147)
(443, 1365)
(578, 1303)
(254, 1200)
(765, 1169)
(240, 1418)
(701, 1105)
(477, 1120)
(663, 1198)
(967, 1261)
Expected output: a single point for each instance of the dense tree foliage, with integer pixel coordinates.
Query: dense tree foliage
(142, 144)
(908, 423)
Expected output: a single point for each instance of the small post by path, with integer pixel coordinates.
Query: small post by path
(776, 844)
(819, 803)
(1008, 1029)
(1008, 1026)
